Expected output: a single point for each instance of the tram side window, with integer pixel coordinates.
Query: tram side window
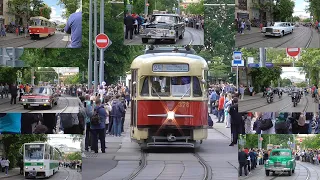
(160, 86)
(196, 87)
(145, 87)
(181, 86)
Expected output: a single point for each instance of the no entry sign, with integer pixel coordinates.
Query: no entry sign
(102, 41)
(293, 52)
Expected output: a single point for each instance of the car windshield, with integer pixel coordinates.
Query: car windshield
(34, 151)
(280, 153)
(40, 90)
(163, 19)
(279, 25)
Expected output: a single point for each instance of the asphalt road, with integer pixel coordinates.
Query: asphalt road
(283, 104)
(302, 37)
(62, 174)
(59, 40)
(66, 104)
(192, 36)
(303, 171)
(122, 159)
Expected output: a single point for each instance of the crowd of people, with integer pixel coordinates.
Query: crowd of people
(72, 164)
(249, 159)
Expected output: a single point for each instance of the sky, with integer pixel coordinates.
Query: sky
(299, 8)
(287, 72)
(56, 10)
(66, 139)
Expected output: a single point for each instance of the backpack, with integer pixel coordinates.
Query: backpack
(66, 120)
(95, 119)
(265, 124)
(89, 113)
(281, 123)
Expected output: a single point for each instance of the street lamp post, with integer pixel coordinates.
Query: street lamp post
(95, 48)
(90, 47)
(101, 76)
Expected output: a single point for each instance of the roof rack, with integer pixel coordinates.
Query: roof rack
(169, 49)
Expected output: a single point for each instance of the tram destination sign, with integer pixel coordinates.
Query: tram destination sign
(170, 68)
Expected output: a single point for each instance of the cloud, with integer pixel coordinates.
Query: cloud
(57, 15)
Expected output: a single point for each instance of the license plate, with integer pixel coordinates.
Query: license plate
(34, 104)
(268, 33)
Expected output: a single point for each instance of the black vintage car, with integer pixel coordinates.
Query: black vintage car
(163, 27)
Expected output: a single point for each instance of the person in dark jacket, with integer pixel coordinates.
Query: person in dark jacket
(123, 114)
(28, 120)
(236, 119)
(117, 113)
(128, 22)
(14, 93)
(242, 158)
(50, 121)
(98, 130)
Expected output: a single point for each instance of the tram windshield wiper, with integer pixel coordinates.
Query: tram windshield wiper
(156, 92)
(186, 92)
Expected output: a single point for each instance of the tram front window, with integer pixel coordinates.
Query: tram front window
(181, 86)
(34, 151)
(171, 86)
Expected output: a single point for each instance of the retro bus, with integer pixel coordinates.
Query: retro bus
(40, 159)
(169, 100)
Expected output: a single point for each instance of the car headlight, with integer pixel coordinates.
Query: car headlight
(172, 32)
(23, 100)
(276, 30)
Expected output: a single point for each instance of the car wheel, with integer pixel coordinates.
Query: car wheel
(144, 40)
(267, 172)
(290, 172)
(282, 34)
(25, 106)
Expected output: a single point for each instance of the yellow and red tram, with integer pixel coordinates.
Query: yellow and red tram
(169, 100)
(41, 27)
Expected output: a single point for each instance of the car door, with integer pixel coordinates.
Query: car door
(176, 25)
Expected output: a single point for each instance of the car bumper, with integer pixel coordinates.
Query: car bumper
(157, 36)
(271, 34)
(277, 169)
(36, 104)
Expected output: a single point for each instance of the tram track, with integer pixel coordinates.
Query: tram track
(304, 109)
(143, 164)
(252, 110)
(191, 35)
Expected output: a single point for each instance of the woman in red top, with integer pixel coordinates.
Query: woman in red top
(221, 109)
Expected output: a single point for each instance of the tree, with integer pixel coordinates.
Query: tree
(74, 79)
(262, 77)
(285, 82)
(296, 19)
(74, 156)
(311, 142)
(195, 8)
(13, 143)
(283, 10)
(46, 74)
(70, 6)
(302, 84)
(314, 8)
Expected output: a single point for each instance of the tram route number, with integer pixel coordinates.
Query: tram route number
(183, 104)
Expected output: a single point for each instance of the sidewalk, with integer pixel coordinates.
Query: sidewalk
(13, 172)
(254, 30)
(10, 36)
(248, 98)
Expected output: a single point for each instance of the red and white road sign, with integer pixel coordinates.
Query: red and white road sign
(261, 139)
(102, 41)
(301, 140)
(293, 52)
(147, 4)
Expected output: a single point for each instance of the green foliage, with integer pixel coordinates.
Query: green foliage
(74, 156)
(302, 84)
(285, 82)
(310, 58)
(219, 35)
(13, 143)
(163, 5)
(314, 8)
(311, 142)
(75, 79)
(262, 77)
(48, 76)
(195, 8)
(283, 10)
(8, 74)
(71, 6)
(22, 8)
(296, 19)
(251, 140)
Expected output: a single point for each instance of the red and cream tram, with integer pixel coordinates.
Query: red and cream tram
(169, 100)
(41, 27)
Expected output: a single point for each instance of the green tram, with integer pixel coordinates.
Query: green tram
(40, 160)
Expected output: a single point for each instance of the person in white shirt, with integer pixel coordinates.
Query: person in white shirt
(6, 163)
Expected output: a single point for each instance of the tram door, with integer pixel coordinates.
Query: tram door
(133, 90)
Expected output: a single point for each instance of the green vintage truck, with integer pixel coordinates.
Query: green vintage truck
(281, 161)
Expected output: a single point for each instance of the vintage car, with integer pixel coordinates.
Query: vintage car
(280, 160)
(40, 96)
(163, 27)
(278, 29)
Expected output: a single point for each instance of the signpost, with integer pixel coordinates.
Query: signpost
(102, 41)
(293, 52)
(237, 60)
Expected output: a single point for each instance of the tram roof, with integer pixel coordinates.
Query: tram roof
(39, 17)
(146, 61)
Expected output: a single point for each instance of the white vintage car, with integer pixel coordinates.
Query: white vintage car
(278, 29)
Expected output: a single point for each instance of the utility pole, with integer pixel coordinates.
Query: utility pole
(90, 47)
(95, 48)
(262, 57)
(145, 7)
(32, 75)
(101, 76)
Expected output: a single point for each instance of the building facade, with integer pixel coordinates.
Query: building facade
(5, 17)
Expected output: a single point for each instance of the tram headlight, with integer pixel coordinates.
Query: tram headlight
(41, 167)
(26, 167)
(170, 115)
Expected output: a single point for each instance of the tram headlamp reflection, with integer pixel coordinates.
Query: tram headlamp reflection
(170, 115)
